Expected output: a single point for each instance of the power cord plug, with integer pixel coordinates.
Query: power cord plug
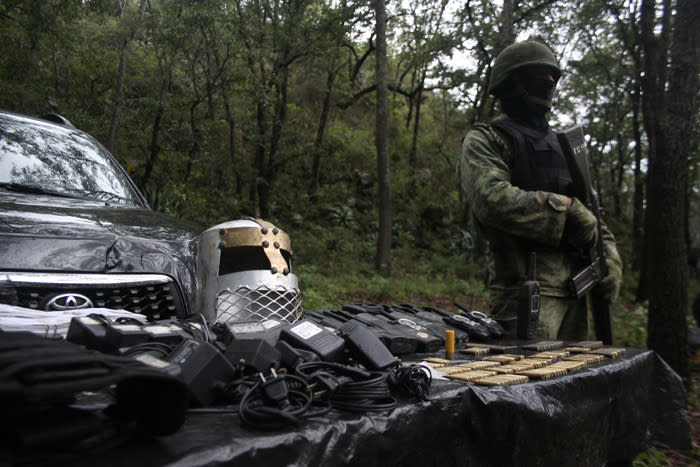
(275, 389)
(328, 381)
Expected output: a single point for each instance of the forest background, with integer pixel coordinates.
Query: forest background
(223, 109)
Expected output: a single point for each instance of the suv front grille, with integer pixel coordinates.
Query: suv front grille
(154, 295)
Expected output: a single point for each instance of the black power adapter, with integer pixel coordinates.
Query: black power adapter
(308, 335)
(366, 347)
(290, 356)
(166, 332)
(120, 335)
(203, 369)
(89, 332)
(257, 354)
(237, 330)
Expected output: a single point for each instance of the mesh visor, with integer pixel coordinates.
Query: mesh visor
(250, 297)
(253, 272)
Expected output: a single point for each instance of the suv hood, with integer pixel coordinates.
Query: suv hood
(44, 233)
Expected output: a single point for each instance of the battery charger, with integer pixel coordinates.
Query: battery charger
(290, 356)
(89, 332)
(203, 368)
(366, 347)
(119, 335)
(257, 354)
(307, 335)
(237, 330)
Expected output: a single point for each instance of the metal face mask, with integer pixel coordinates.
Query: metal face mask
(247, 273)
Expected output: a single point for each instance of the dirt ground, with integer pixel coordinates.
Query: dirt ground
(677, 458)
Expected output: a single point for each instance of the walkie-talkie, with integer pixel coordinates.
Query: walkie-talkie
(529, 303)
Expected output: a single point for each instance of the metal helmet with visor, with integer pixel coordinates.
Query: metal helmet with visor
(246, 273)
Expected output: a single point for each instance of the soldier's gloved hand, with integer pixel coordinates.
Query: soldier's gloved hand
(609, 287)
(581, 228)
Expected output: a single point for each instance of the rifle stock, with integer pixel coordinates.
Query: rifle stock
(574, 147)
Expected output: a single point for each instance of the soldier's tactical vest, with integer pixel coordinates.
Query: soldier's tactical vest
(538, 160)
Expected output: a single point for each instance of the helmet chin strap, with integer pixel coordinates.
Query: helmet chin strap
(539, 101)
(535, 103)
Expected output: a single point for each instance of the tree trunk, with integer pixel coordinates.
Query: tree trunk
(323, 122)
(630, 35)
(413, 157)
(383, 259)
(668, 170)
(269, 164)
(638, 214)
(154, 149)
(232, 144)
(119, 93)
(118, 97)
(258, 190)
(619, 174)
(652, 108)
(507, 33)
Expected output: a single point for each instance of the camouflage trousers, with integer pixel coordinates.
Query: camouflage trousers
(564, 318)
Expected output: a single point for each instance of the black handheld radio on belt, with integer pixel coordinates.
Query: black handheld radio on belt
(529, 303)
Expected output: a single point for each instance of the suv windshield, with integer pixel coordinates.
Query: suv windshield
(39, 157)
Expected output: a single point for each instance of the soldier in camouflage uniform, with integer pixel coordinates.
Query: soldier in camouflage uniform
(514, 175)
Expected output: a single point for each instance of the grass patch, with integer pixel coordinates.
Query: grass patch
(335, 269)
(419, 281)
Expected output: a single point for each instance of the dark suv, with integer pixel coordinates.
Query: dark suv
(75, 232)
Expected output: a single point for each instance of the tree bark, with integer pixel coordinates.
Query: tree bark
(154, 148)
(507, 33)
(653, 80)
(121, 77)
(667, 212)
(322, 123)
(383, 258)
(413, 155)
(638, 214)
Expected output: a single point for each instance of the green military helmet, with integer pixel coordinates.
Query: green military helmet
(519, 55)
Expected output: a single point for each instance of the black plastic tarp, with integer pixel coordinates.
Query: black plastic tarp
(607, 413)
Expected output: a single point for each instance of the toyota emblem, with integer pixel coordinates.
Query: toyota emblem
(68, 301)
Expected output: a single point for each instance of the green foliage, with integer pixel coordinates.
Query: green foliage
(335, 266)
(630, 324)
(651, 458)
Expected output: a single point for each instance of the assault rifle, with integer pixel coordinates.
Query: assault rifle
(574, 146)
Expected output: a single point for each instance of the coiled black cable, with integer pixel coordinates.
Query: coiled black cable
(412, 380)
(277, 401)
(349, 388)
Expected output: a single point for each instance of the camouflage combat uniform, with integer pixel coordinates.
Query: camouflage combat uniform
(517, 222)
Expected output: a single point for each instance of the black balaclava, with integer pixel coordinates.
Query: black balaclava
(531, 99)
